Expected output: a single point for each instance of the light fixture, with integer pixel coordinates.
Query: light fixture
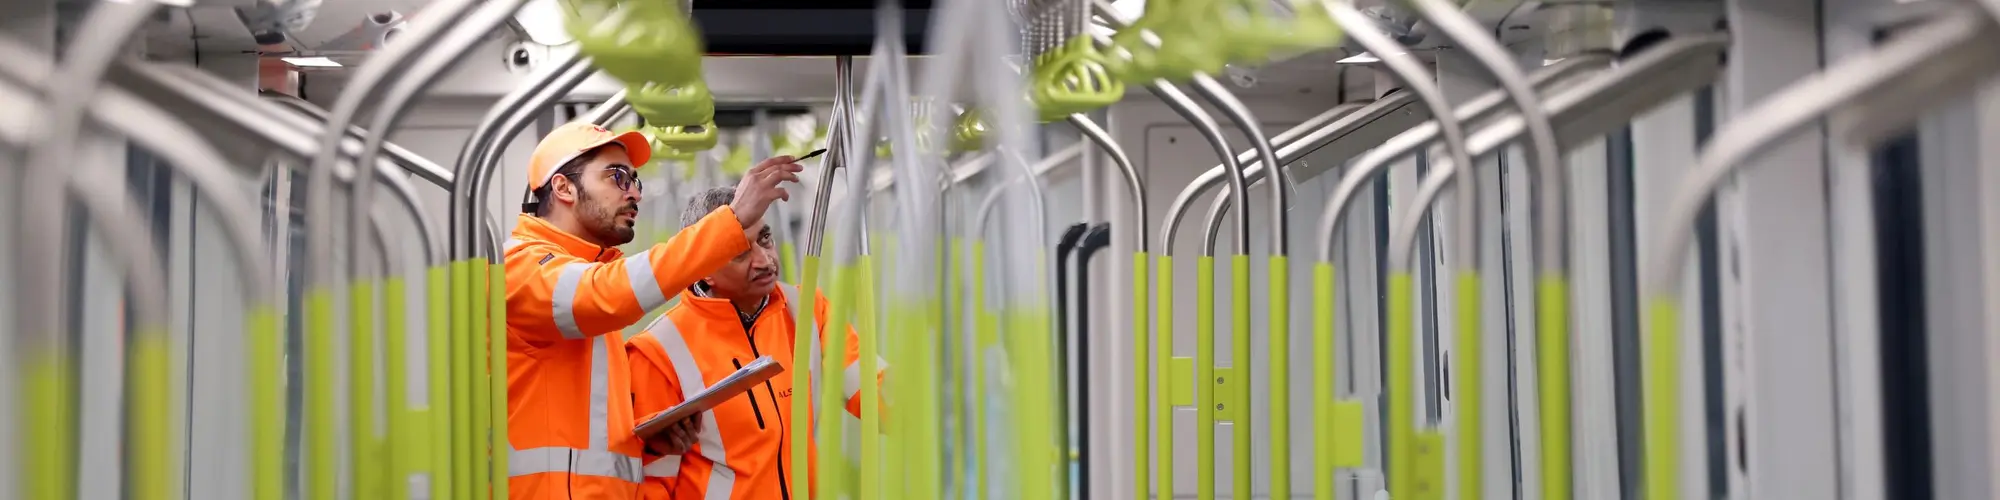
(540, 21)
(311, 62)
(1362, 58)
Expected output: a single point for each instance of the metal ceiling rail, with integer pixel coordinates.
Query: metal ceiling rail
(192, 94)
(410, 161)
(1889, 86)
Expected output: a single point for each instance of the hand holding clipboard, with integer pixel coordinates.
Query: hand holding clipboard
(674, 431)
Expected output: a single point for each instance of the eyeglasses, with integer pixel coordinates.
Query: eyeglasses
(622, 177)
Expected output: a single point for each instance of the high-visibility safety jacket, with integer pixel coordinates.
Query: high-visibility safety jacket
(742, 451)
(569, 408)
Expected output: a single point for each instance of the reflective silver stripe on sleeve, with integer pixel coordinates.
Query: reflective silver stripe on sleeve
(565, 299)
(646, 287)
(667, 466)
(722, 479)
(853, 375)
(573, 461)
(600, 393)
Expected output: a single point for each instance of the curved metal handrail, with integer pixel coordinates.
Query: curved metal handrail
(507, 117)
(1918, 56)
(1126, 170)
(392, 105)
(383, 67)
(99, 38)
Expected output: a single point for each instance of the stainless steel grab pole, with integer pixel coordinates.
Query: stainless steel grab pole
(1944, 57)
(392, 105)
(837, 151)
(1126, 170)
(487, 136)
(40, 211)
(409, 161)
(384, 66)
(483, 240)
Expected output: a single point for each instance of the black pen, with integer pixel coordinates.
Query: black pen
(808, 156)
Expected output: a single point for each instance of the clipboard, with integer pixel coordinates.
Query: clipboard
(759, 370)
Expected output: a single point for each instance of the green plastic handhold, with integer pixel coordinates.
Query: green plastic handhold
(638, 41)
(672, 104)
(687, 138)
(969, 134)
(1075, 80)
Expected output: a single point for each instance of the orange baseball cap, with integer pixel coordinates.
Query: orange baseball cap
(574, 139)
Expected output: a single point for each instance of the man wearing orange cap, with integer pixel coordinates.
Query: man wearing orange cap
(570, 292)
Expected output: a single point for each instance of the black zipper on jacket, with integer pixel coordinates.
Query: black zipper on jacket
(784, 485)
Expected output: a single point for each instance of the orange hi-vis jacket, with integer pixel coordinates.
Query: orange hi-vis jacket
(568, 405)
(742, 451)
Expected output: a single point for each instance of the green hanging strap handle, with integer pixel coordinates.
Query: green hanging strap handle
(637, 41)
(1075, 80)
(402, 446)
(969, 134)
(1187, 47)
(1131, 57)
(362, 457)
(663, 104)
(686, 138)
(1311, 27)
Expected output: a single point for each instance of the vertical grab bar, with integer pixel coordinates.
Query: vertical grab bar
(1901, 59)
(1404, 438)
(1140, 418)
(70, 89)
(1204, 343)
(1552, 242)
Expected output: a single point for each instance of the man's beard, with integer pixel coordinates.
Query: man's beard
(602, 219)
